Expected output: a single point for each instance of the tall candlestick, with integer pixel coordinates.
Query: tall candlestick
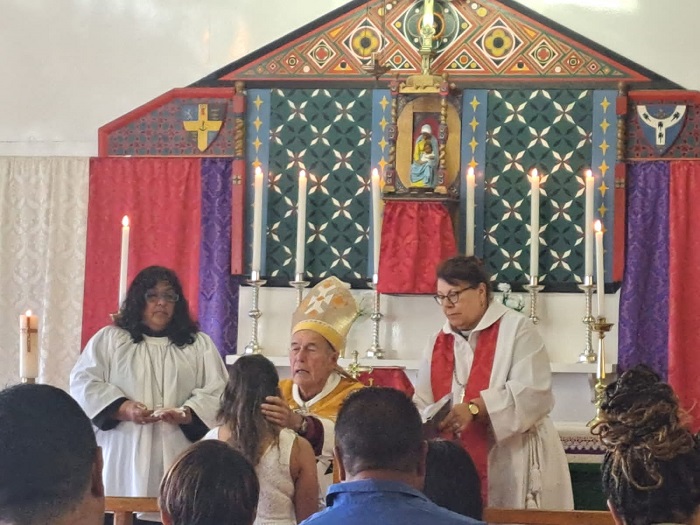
(376, 221)
(257, 220)
(124, 260)
(600, 268)
(28, 346)
(301, 224)
(587, 223)
(471, 182)
(534, 223)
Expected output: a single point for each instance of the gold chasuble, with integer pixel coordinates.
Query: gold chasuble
(326, 407)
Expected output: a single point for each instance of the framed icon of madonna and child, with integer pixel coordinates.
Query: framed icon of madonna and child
(418, 146)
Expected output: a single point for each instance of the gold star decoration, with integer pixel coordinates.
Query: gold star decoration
(474, 103)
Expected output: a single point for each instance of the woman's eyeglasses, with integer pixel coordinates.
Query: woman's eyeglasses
(168, 297)
(451, 297)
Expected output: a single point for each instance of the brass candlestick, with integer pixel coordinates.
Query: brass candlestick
(601, 326)
(299, 283)
(534, 288)
(253, 347)
(375, 351)
(588, 355)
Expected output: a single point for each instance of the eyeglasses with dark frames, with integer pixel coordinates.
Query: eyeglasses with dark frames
(451, 297)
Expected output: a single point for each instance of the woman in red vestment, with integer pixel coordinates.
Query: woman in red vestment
(493, 362)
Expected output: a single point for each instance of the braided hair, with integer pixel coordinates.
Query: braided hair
(651, 469)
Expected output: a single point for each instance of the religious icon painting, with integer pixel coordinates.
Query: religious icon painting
(203, 122)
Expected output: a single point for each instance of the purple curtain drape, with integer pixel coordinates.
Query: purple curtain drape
(218, 289)
(645, 285)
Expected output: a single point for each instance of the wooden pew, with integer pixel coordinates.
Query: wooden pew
(547, 517)
(124, 508)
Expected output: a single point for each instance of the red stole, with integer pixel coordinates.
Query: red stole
(475, 439)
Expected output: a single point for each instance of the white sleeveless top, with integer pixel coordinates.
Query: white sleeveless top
(276, 503)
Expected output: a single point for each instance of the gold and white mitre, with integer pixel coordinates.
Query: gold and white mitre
(329, 309)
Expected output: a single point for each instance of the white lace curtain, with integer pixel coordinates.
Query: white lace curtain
(43, 221)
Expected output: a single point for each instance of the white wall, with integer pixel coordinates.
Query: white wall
(70, 66)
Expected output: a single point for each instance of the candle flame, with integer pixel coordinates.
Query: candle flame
(125, 221)
(375, 173)
(589, 174)
(28, 313)
(302, 174)
(470, 171)
(258, 171)
(598, 226)
(534, 174)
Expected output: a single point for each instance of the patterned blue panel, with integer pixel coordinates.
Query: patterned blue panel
(381, 118)
(473, 148)
(257, 154)
(603, 159)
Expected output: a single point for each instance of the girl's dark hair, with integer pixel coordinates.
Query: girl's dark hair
(210, 483)
(462, 269)
(651, 469)
(251, 379)
(451, 479)
(182, 328)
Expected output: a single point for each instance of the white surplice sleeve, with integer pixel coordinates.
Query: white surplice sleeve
(423, 395)
(526, 396)
(210, 380)
(88, 379)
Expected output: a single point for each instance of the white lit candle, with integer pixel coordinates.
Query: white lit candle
(301, 224)
(376, 221)
(124, 260)
(471, 182)
(600, 268)
(29, 345)
(587, 225)
(534, 223)
(428, 17)
(257, 221)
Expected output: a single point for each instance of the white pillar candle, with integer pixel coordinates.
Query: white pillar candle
(301, 224)
(588, 225)
(257, 220)
(376, 221)
(471, 183)
(534, 223)
(600, 268)
(123, 261)
(29, 345)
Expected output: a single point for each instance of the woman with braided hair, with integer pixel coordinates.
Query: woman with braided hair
(651, 470)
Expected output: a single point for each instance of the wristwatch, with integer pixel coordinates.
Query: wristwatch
(473, 408)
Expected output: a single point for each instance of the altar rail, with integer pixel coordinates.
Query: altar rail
(124, 508)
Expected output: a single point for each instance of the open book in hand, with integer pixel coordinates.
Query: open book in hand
(434, 414)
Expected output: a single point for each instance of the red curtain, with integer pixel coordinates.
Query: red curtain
(684, 286)
(416, 237)
(162, 197)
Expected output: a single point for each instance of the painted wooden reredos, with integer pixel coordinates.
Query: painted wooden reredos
(513, 91)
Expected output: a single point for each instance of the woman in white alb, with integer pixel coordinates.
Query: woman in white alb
(494, 363)
(284, 462)
(151, 384)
